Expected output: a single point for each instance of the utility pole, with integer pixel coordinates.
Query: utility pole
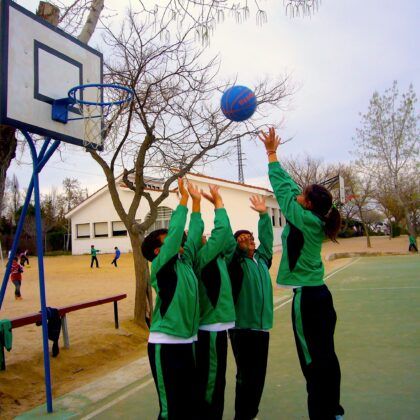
(240, 161)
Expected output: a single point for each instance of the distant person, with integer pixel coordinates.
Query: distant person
(94, 258)
(311, 216)
(24, 258)
(116, 256)
(16, 277)
(412, 247)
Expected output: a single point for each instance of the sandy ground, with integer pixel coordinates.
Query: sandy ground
(96, 347)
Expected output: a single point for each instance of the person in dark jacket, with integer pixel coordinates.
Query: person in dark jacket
(253, 297)
(311, 216)
(176, 314)
(217, 310)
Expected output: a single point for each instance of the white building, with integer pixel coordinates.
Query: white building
(96, 222)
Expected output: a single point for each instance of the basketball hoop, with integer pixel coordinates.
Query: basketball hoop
(98, 104)
(99, 100)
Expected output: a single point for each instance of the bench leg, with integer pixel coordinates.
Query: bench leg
(116, 314)
(65, 332)
(3, 358)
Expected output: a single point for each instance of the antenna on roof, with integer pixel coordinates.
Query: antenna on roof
(240, 161)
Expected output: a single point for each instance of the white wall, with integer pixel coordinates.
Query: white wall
(99, 208)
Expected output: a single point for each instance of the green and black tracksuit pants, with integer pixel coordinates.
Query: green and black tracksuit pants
(314, 320)
(211, 353)
(174, 373)
(250, 348)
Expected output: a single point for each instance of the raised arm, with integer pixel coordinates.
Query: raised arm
(216, 243)
(285, 189)
(265, 228)
(173, 240)
(195, 228)
(271, 142)
(230, 244)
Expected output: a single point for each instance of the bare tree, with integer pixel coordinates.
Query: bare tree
(360, 187)
(306, 170)
(388, 144)
(173, 124)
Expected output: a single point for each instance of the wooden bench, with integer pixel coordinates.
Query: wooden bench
(36, 318)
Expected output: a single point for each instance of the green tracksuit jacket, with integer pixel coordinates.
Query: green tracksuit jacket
(301, 263)
(177, 309)
(251, 281)
(215, 290)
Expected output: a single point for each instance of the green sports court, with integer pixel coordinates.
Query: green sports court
(377, 341)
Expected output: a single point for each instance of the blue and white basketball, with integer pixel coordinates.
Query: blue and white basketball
(238, 103)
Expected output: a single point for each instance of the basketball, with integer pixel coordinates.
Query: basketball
(238, 103)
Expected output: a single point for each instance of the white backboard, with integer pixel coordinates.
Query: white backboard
(40, 63)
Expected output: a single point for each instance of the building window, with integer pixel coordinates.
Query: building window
(118, 229)
(100, 229)
(273, 216)
(162, 220)
(83, 230)
(280, 222)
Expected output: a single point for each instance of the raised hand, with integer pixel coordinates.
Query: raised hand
(271, 140)
(194, 192)
(214, 197)
(258, 204)
(183, 191)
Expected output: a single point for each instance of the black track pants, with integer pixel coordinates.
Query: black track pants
(250, 349)
(211, 353)
(314, 320)
(174, 373)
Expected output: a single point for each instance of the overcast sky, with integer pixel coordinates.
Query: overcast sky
(337, 59)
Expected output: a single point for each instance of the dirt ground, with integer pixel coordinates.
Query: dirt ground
(96, 348)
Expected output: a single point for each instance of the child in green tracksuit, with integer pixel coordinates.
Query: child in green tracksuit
(217, 311)
(176, 315)
(253, 297)
(310, 217)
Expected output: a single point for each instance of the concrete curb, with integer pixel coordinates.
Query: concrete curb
(81, 400)
(337, 255)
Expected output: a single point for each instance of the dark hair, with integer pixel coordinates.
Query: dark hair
(15, 258)
(151, 242)
(322, 205)
(241, 232)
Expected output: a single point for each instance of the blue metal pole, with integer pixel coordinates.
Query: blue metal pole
(23, 216)
(40, 252)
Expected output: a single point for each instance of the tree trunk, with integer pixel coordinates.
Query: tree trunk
(141, 270)
(410, 226)
(365, 228)
(91, 21)
(390, 228)
(8, 144)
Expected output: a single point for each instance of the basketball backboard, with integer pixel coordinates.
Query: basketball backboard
(39, 64)
(337, 188)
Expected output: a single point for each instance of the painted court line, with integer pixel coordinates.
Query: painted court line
(326, 278)
(117, 400)
(143, 385)
(377, 288)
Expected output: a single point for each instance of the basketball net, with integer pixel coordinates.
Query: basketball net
(101, 121)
